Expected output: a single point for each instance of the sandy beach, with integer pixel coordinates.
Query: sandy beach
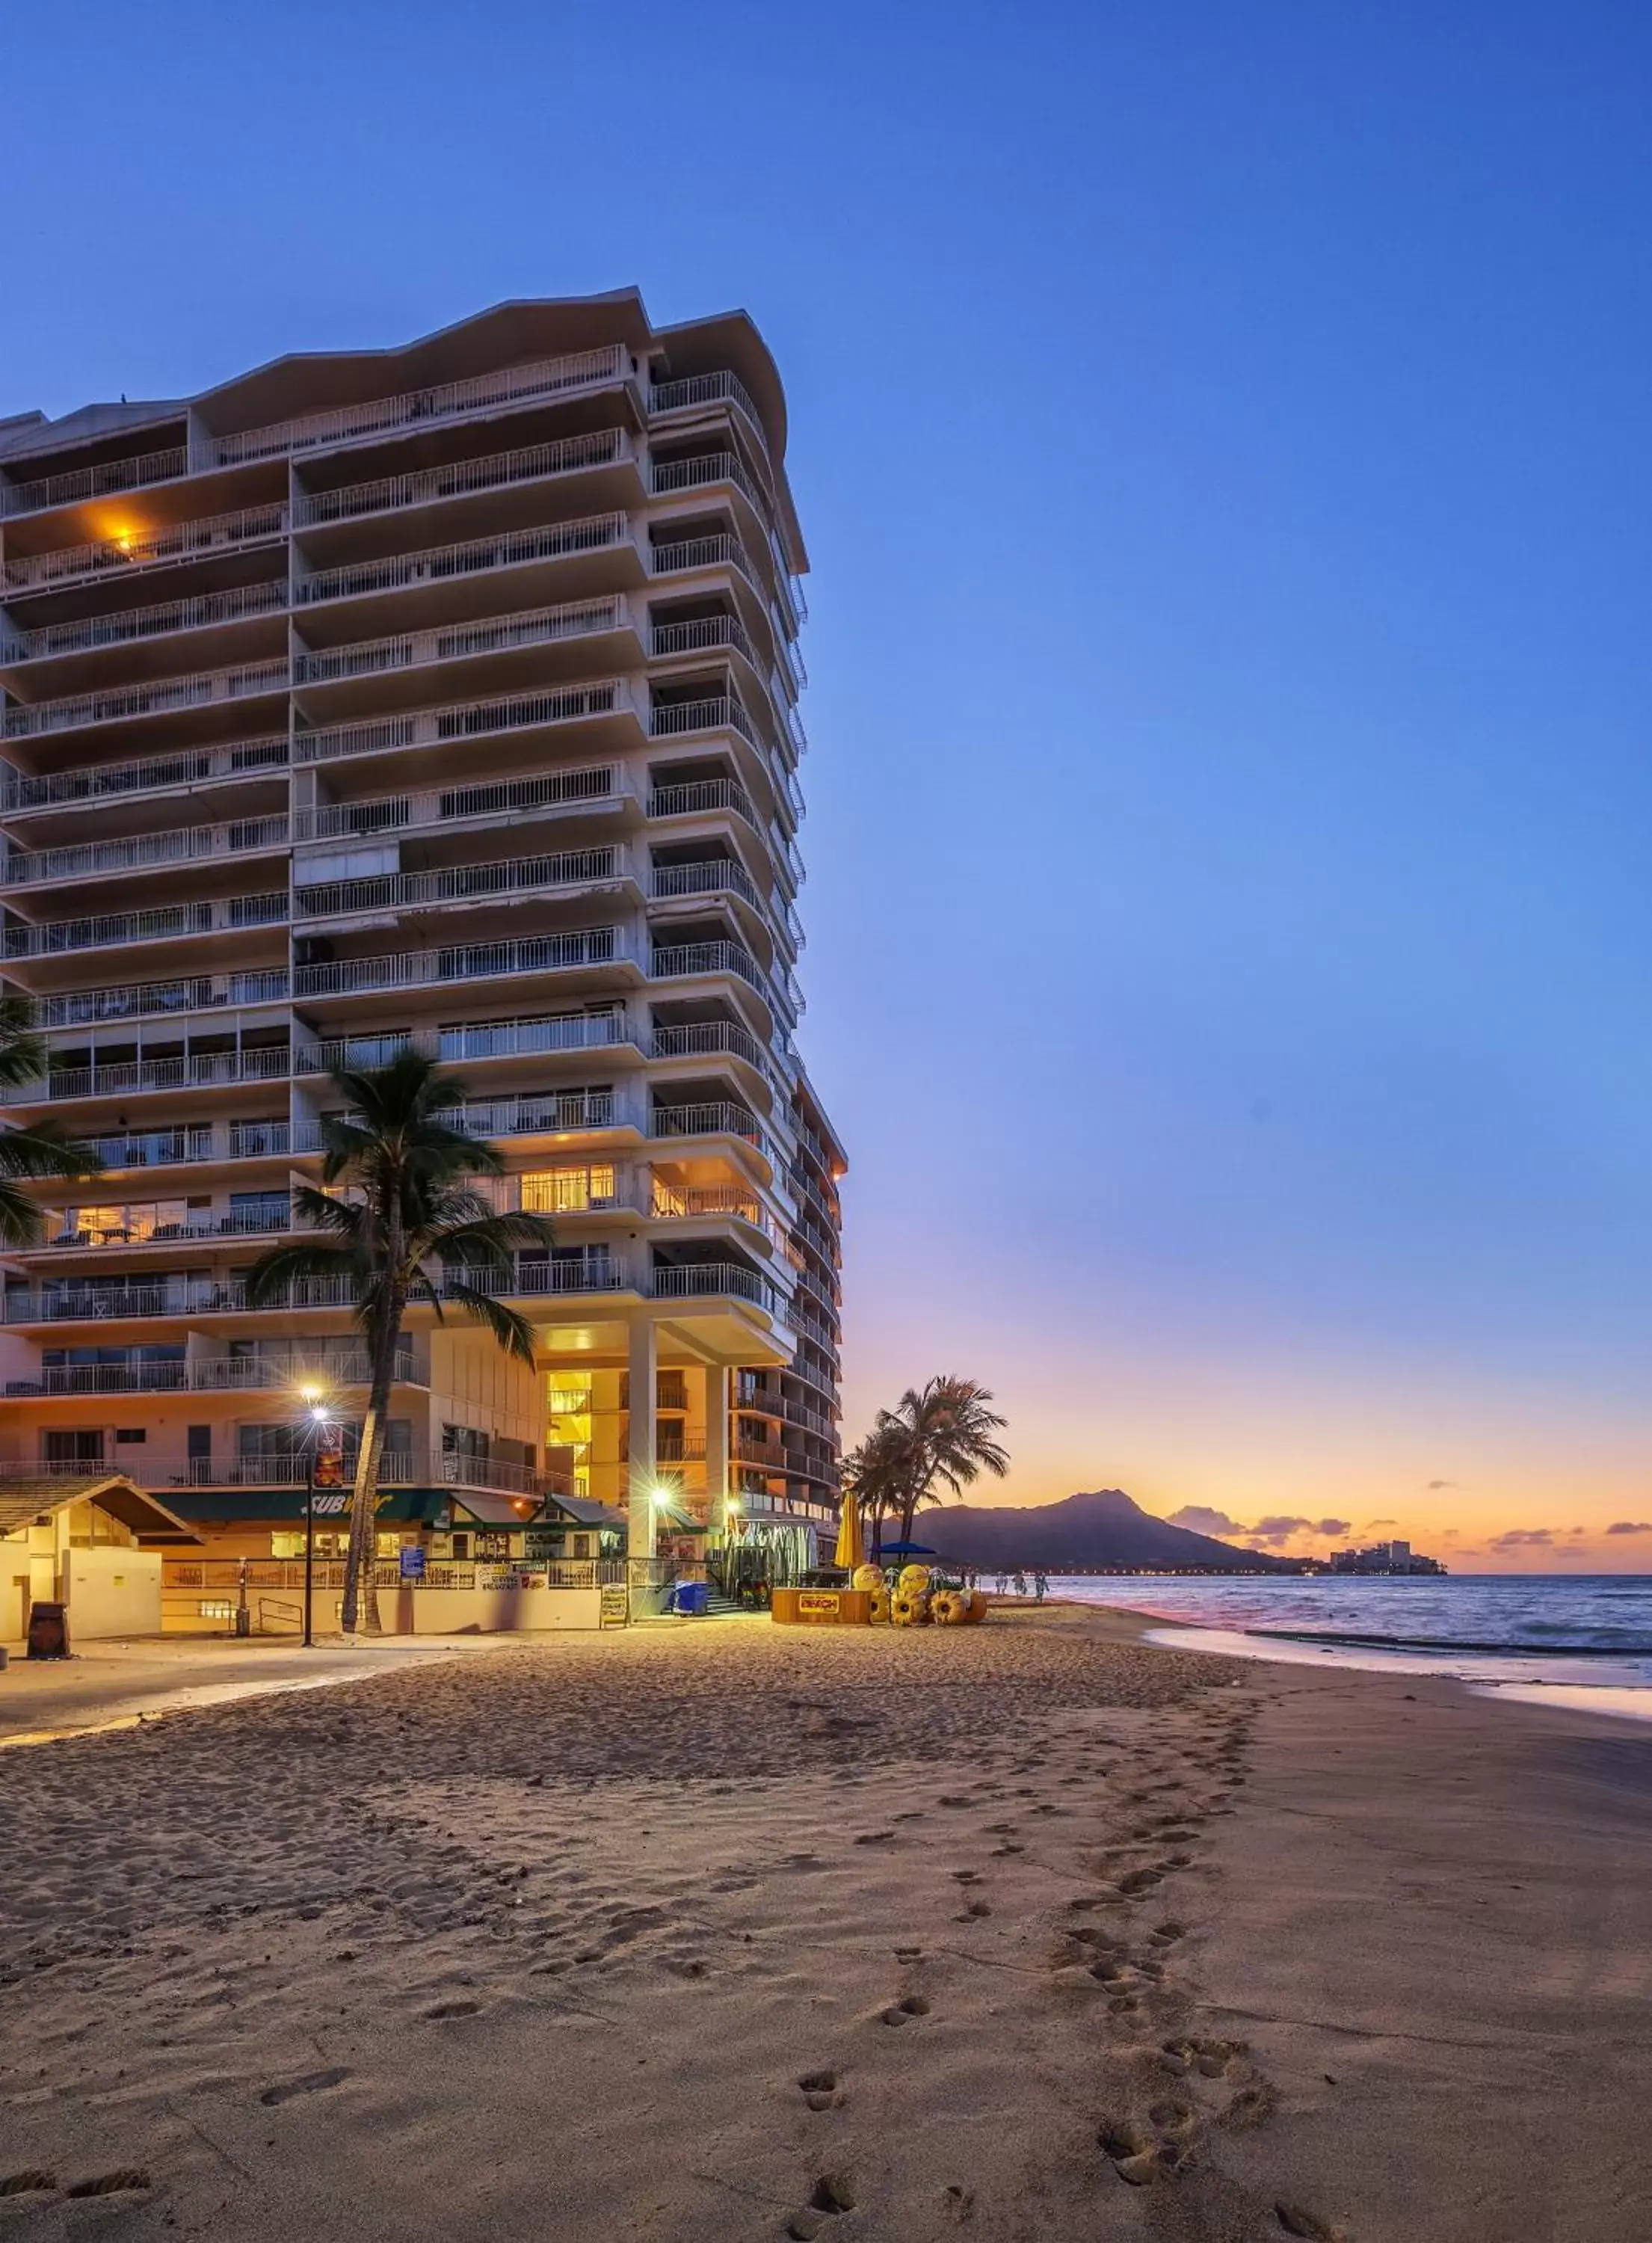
(735, 1932)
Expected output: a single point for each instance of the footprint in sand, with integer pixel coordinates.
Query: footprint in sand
(819, 2089)
(454, 2010)
(124, 2178)
(1166, 1935)
(1295, 2221)
(311, 2083)
(32, 2181)
(902, 2012)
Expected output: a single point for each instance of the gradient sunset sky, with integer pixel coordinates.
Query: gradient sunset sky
(1223, 440)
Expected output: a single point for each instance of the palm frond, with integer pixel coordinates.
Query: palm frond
(44, 1151)
(513, 1330)
(21, 1223)
(23, 1048)
(272, 1274)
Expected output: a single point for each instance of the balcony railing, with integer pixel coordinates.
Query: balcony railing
(199, 1071)
(719, 551)
(673, 961)
(182, 541)
(462, 721)
(398, 813)
(540, 1114)
(711, 876)
(488, 1040)
(112, 928)
(248, 601)
(563, 873)
(290, 1467)
(715, 713)
(595, 1273)
(702, 798)
(704, 635)
(670, 476)
(697, 391)
(101, 481)
(164, 698)
(144, 1000)
(418, 409)
(708, 1039)
(137, 853)
(198, 1142)
(690, 1203)
(706, 1118)
(687, 1280)
(216, 1374)
(186, 1296)
(498, 471)
(472, 961)
(439, 564)
(167, 1223)
(95, 783)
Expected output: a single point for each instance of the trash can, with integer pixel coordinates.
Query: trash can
(692, 1600)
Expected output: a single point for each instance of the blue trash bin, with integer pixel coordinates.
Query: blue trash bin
(692, 1600)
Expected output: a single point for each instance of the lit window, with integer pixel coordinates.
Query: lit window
(567, 1191)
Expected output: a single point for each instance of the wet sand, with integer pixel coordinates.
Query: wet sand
(733, 1931)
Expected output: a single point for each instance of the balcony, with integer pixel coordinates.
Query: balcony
(601, 786)
(192, 767)
(290, 1468)
(703, 797)
(677, 961)
(119, 1300)
(146, 1000)
(215, 1375)
(143, 853)
(668, 720)
(80, 484)
(708, 1118)
(703, 635)
(461, 722)
(541, 1113)
(710, 876)
(91, 632)
(129, 1078)
(708, 1040)
(164, 924)
(166, 696)
(568, 456)
(474, 961)
(691, 1280)
(539, 380)
(533, 1281)
(698, 392)
(563, 872)
(708, 1202)
(194, 1145)
(183, 540)
(166, 1222)
(442, 564)
(522, 1038)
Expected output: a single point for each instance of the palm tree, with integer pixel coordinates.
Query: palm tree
(402, 1202)
(950, 1426)
(876, 1471)
(42, 1151)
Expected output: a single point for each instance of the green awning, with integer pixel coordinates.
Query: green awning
(284, 1506)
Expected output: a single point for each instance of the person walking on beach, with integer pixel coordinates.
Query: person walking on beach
(1021, 1585)
(1040, 1583)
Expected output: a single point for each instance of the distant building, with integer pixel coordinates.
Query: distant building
(1384, 1557)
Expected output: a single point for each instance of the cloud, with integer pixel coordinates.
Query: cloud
(1335, 1528)
(1434, 1486)
(1370, 1523)
(1524, 1538)
(1279, 1528)
(1199, 1518)
(1630, 1526)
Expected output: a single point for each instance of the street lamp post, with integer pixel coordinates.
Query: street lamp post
(320, 1448)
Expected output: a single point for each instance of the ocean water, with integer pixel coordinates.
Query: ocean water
(1581, 1638)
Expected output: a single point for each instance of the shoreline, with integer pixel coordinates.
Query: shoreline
(657, 1935)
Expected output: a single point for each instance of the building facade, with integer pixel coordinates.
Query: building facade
(446, 696)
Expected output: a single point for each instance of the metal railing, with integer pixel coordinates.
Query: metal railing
(135, 852)
(191, 1145)
(706, 1118)
(486, 1039)
(95, 783)
(602, 448)
(215, 1374)
(707, 876)
(166, 1297)
(418, 409)
(673, 961)
(90, 632)
(167, 920)
(720, 549)
(164, 696)
(704, 1039)
(167, 1223)
(702, 798)
(704, 635)
(439, 564)
(462, 721)
(397, 813)
(142, 1001)
(101, 481)
(473, 961)
(182, 541)
(687, 1202)
(697, 391)
(593, 1273)
(563, 872)
(684, 1280)
(201, 1071)
(714, 712)
(670, 476)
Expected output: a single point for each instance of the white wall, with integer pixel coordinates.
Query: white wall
(112, 1592)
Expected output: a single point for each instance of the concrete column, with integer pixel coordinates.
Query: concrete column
(640, 1479)
(717, 1445)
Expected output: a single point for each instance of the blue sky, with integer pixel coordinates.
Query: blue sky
(1221, 435)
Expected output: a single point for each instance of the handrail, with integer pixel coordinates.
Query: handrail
(181, 541)
(195, 1071)
(670, 961)
(701, 635)
(497, 471)
(565, 869)
(417, 408)
(396, 813)
(700, 796)
(461, 642)
(706, 876)
(30, 719)
(78, 483)
(53, 936)
(486, 1039)
(464, 721)
(127, 623)
(711, 713)
(183, 767)
(139, 1001)
(179, 845)
(212, 1374)
(540, 953)
(192, 1144)
(440, 563)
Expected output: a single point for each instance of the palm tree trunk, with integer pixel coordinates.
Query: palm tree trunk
(360, 1613)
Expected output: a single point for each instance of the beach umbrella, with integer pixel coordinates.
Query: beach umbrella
(851, 1550)
(908, 1549)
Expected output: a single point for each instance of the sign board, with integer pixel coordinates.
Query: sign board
(413, 1565)
(616, 1605)
(822, 1607)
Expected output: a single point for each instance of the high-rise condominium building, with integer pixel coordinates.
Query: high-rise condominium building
(442, 695)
